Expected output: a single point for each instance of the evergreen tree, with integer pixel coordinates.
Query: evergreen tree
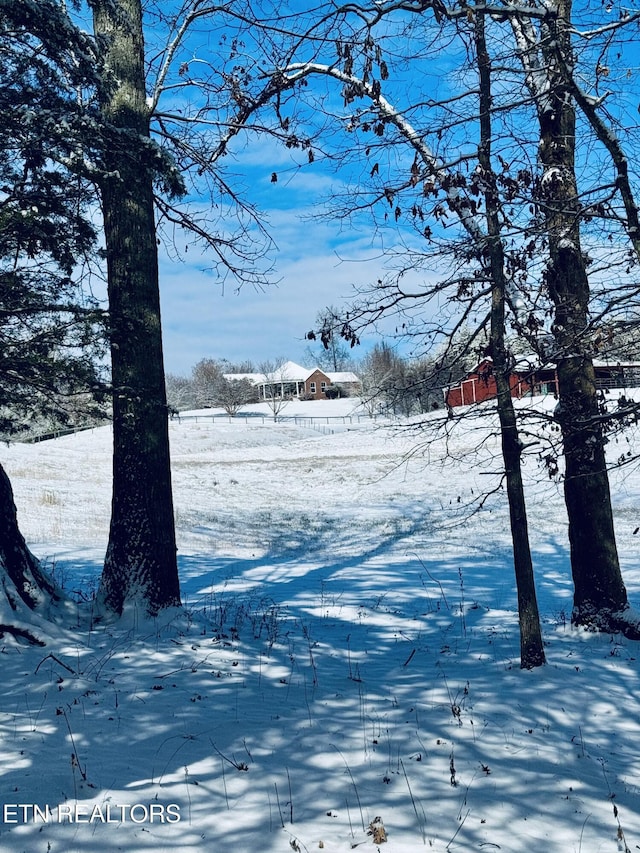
(49, 335)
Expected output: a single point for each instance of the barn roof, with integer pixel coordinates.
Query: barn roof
(529, 361)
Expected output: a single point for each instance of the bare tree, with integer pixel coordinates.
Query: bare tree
(205, 376)
(144, 157)
(235, 367)
(541, 215)
(391, 377)
(333, 354)
(181, 393)
(232, 394)
(546, 51)
(383, 375)
(276, 384)
(531, 644)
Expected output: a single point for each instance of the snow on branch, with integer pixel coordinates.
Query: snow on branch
(527, 43)
(457, 200)
(625, 19)
(607, 136)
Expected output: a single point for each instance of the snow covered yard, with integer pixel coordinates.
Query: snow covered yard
(349, 653)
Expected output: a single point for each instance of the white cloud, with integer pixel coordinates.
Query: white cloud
(317, 262)
(201, 319)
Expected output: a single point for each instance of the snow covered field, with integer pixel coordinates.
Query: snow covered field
(346, 670)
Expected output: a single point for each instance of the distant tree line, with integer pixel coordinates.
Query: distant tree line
(391, 383)
(208, 386)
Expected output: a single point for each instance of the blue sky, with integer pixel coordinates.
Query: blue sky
(202, 318)
(316, 263)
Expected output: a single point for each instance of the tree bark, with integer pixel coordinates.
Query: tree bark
(599, 592)
(531, 643)
(25, 585)
(141, 555)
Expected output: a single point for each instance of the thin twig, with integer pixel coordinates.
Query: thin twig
(57, 660)
(239, 765)
(459, 828)
(353, 782)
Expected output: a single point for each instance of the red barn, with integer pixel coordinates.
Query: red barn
(527, 378)
(480, 385)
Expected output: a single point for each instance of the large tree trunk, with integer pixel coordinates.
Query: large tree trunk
(141, 556)
(25, 586)
(600, 595)
(531, 643)
(599, 592)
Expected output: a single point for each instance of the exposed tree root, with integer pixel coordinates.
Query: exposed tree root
(21, 634)
(625, 622)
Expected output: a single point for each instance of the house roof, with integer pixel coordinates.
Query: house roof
(292, 372)
(287, 372)
(343, 376)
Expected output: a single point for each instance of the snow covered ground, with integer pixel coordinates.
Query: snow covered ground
(347, 661)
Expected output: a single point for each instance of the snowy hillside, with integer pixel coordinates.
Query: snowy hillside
(346, 673)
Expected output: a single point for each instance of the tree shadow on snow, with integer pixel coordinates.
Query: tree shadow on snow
(306, 693)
